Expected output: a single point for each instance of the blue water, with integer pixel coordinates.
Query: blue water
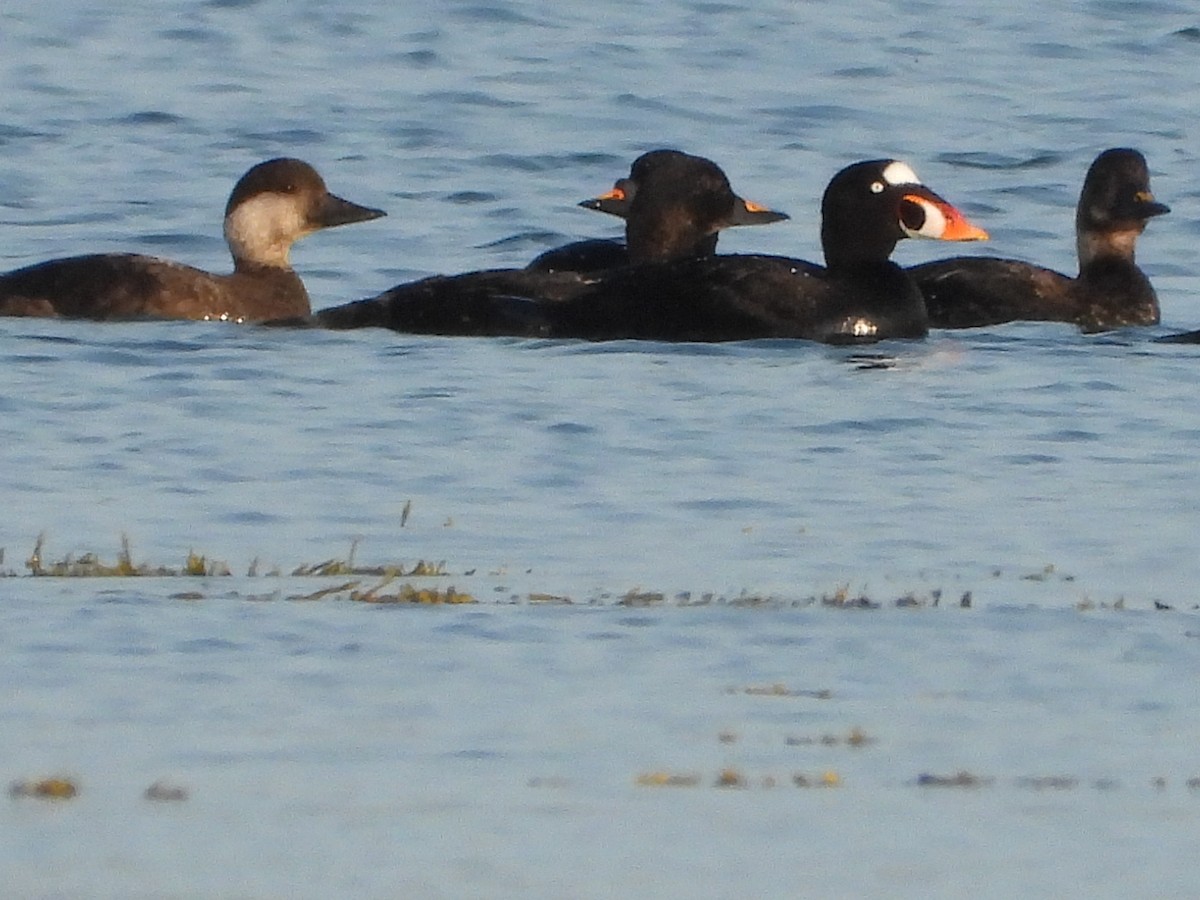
(687, 560)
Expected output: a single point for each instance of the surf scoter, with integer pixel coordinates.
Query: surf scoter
(858, 296)
(1110, 290)
(691, 200)
(274, 204)
(674, 205)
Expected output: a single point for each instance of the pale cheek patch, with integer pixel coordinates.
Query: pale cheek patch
(263, 228)
(898, 172)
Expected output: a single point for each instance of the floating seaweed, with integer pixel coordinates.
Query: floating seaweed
(407, 593)
(667, 779)
(779, 689)
(1048, 782)
(730, 777)
(58, 787)
(960, 779)
(855, 738)
(89, 565)
(825, 779)
(165, 792)
(342, 567)
(199, 565)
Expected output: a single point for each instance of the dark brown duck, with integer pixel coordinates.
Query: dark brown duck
(674, 205)
(273, 205)
(1109, 292)
(859, 295)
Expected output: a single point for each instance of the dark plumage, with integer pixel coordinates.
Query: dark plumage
(860, 295)
(274, 204)
(674, 204)
(678, 202)
(1110, 290)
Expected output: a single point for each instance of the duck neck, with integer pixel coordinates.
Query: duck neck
(1108, 245)
(666, 238)
(849, 251)
(267, 268)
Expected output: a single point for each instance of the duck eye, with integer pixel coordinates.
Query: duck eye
(877, 187)
(912, 215)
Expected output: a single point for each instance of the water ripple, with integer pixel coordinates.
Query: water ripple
(978, 159)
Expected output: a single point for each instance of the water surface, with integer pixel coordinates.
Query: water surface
(693, 565)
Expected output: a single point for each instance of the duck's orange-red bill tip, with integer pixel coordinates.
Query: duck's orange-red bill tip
(958, 227)
(747, 212)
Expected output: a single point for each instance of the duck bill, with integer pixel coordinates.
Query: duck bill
(334, 211)
(615, 202)
(1146, 207)
(747, 212)
(924, 214)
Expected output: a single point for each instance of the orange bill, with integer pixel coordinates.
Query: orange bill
(615, 202)
(927, 215)
(747, 212)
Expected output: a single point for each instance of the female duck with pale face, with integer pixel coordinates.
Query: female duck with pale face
(273, 205)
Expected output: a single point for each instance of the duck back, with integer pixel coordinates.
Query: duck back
(131, 286)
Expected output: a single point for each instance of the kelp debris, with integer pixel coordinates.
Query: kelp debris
(407, 593)
(347, 567)
(731, 777)
(89, 565)
(58, 787)
(642, 598)
(856, 737)
(551, 599)
(779, 689)
(403, 593)
(165, 792)
(1048, 782)
(960, 779)
(667, 779)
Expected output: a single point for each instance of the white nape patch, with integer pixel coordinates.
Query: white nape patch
(934, 225)
(263, 228)
(898, 172)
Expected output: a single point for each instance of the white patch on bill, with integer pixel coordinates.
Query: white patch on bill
(934, 225)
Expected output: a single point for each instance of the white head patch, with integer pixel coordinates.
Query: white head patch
(897, 172)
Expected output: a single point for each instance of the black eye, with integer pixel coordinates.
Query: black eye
(912, 215)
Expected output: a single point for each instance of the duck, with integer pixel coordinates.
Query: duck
(679, 203)
(674, 204)
(1109, 292)
(858, 296)
(274, 204)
